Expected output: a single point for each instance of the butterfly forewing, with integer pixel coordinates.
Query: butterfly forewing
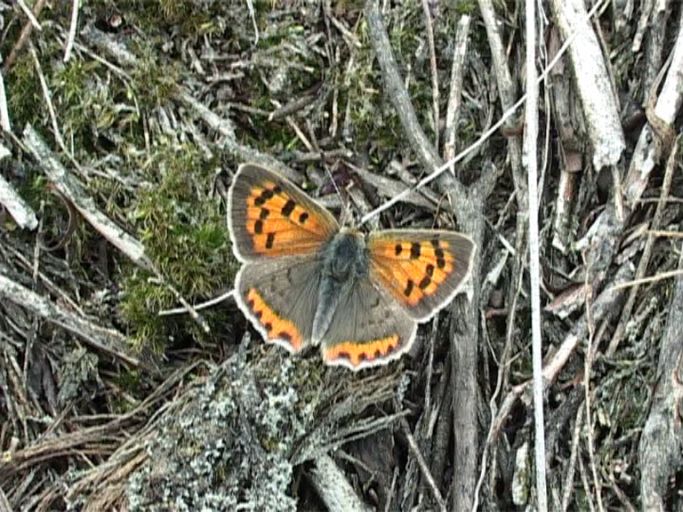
(422, 269)
(268, 217)
(279, 297)
(368, 329)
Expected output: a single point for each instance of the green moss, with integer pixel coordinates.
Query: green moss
(83, 101)
(141, 299)
(86, 99)
(468, 7)
(34, 189)
(25, 101)
(154, 83)
(188, 18)
(372, 115)
(185, 235)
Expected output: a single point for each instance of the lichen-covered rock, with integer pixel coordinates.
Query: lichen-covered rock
(229, 446)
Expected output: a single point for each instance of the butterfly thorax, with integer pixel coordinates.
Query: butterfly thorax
(345, 257)
(345, 260)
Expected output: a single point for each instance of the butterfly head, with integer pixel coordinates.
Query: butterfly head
(346, 256)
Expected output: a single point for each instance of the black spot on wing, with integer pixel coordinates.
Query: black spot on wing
(409, 288)
(288, 208)
(440, 258)
(265, 195)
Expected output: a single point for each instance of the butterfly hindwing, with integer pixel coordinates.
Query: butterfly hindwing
(279, 297)
(367, 329)
(268, 217)
(422, 269)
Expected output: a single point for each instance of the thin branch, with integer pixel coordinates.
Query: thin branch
(23, 37)
(460, 44)
(660, 449)
(198, 307)
(48, 101)
(569, 477)
(672, 163)
(4, 112)
(395, 90)
(440, 169)
(531, 139)
(108, 341)
(646, 280)
(587, 366)
(333, 487)
(434, 70)
(20, 211)
(72, 30)
(25, 9)
(424, 469)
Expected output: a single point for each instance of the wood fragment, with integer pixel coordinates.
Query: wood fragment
(25, 34)
(332, 486)
(426, 10)
(460, 44)
(660, 446)
(71, 190)
(598, 101)
(20, 211)
(647, 250)
(108, 341)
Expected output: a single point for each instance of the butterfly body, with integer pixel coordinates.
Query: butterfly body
(344, 264)
(305, 281)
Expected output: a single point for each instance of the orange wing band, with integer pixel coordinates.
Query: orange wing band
(362, 353)
(277, 329)
(278, 225)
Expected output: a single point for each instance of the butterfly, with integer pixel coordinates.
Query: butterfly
(306, 281)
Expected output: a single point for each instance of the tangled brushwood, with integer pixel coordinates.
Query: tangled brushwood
(123, 123)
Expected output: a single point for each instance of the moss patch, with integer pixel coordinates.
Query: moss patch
(185, 234)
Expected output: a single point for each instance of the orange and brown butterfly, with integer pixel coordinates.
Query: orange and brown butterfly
(306, 281)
